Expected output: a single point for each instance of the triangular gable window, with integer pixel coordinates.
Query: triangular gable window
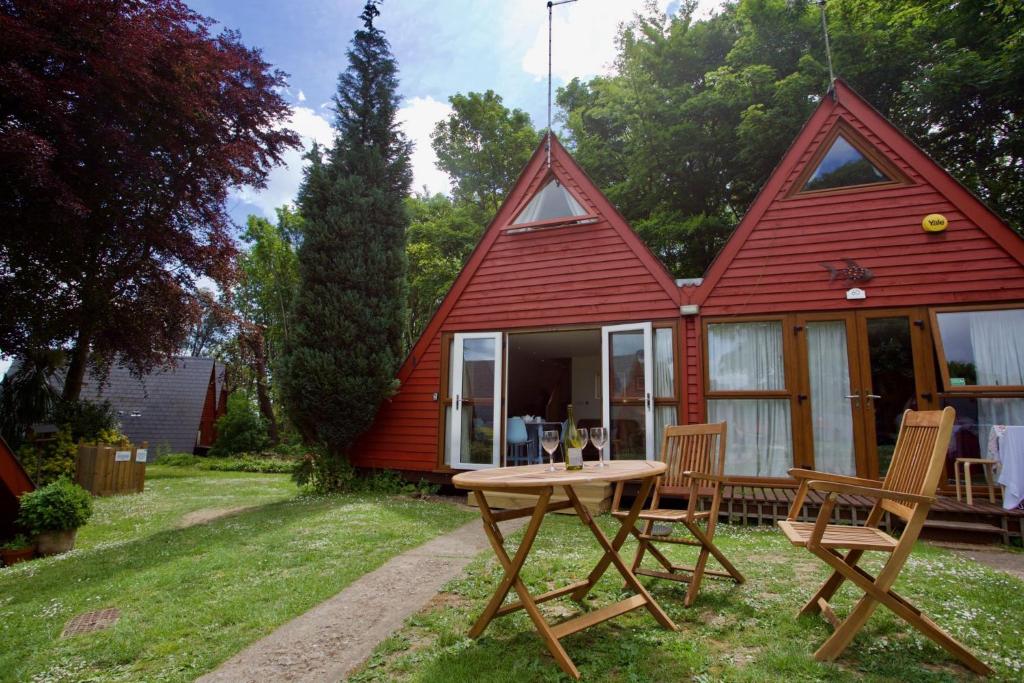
(844, 166)
(554, 201)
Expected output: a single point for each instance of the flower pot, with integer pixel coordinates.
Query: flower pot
(12, 557)
(55, 542)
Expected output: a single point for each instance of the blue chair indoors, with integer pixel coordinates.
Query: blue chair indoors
(515, 435)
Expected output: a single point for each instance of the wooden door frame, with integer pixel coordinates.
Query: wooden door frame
(925, 389)
(853, 360)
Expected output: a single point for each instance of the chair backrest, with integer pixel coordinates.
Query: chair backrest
(692, 448)
(515, 430)
(919, 457)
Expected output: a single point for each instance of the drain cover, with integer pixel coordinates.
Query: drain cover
(91, 621)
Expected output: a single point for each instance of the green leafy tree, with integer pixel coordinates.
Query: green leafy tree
(346, 332)
(483, 145)
(442, 234)
(263, 300)
(240, 429)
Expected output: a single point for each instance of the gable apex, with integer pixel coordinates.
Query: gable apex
(914, 178)
(534, 179)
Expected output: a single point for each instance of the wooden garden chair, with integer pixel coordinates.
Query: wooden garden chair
(907, 492)
(695, 455)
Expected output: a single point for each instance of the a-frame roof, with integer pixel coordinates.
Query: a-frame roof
(534, 177)
(774, 218)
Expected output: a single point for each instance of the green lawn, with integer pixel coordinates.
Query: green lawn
(192, 596)
(732, 633)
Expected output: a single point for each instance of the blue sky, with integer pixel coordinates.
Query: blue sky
(442, 46)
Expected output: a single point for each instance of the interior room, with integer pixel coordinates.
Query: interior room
(547, 371)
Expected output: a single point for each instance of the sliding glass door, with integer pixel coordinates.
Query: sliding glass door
(628, 383)
(474, 424)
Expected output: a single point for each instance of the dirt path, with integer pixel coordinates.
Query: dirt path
(1004, 560)
(333, 638)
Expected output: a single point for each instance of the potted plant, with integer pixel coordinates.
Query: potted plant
(16, 550)
(54, 512)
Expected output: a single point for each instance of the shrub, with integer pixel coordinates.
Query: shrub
(240, 430)
(246, 463)
(17, 543)
(87, 420)
(50, 459)
(58, 506)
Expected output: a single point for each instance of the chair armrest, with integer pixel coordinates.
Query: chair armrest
(866, 491)
(694, 474)
(799, 473)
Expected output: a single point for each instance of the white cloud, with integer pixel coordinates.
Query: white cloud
(302, 96)
(584, 34)
(283, 181)
(417, 119)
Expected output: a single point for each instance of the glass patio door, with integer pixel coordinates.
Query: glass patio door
(627, 362)
(830, 403)
(474, 427)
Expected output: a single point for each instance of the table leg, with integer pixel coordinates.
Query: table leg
(512, 568)
(611, 553)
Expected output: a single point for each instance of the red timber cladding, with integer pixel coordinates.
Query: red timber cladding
(597, 273)
(208, 421)
(778, 267)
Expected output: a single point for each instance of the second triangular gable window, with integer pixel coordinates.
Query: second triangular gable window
(844, 166)
(552, 202)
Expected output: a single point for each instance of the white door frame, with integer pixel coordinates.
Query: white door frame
(606, 372)
(455, 423)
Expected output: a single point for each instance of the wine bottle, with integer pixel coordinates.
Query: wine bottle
(573, 445)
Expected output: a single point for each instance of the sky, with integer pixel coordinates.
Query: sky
(442, 47)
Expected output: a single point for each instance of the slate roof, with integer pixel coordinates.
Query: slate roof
(163, 408)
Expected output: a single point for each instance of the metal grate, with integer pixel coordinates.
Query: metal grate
(91, 621)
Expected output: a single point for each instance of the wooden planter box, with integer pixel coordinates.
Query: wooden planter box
(106, 470)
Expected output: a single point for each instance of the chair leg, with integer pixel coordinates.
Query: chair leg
(831, 585)
(956, 478)
(990, 479)
(698, 576)
(967, 483)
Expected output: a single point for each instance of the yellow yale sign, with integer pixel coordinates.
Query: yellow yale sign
(934, 222)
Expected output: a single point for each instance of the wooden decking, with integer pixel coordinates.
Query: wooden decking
(948, 518)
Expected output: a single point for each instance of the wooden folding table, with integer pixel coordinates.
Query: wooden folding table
(536, 480)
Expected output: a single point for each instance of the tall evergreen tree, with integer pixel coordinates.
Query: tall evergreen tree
(350, 308)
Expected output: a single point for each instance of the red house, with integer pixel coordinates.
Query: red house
(863, 280)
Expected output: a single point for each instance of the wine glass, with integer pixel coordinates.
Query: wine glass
(549, 440)
(599, 437)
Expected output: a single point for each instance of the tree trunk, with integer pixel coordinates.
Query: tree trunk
(259, 366)
(76, 368)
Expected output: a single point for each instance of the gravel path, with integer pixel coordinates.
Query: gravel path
(333, 638)
(1004, 560)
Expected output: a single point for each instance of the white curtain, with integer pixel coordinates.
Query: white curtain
(997, 411)
(831, 418)
(745, 356)
(554, 201)
(664, 372)
(759, 441)
(664, 416)
(997, 338)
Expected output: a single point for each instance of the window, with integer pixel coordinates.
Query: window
(554, 201)
(844, 166)
(981, 362)
(666, 403)
(981, 349)
(746, 387)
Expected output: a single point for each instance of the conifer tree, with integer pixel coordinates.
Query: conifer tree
(350, 309)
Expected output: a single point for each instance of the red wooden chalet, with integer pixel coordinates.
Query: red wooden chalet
(863, 280)
(14, 482)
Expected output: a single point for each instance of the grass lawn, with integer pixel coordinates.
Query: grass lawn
(193, 593)
(732, 633)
